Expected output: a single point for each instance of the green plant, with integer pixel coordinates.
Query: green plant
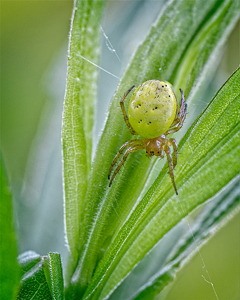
(111, 230)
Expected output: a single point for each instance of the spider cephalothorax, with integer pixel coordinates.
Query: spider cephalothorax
(153, 114)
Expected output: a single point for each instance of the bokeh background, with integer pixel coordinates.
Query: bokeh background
(34, 41)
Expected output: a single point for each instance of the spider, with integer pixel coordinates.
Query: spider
(153, 114)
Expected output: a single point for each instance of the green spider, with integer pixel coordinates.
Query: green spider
(153, 114)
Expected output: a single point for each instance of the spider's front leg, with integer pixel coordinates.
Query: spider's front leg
(121, 150)
(178, 122)
(172, 142)
(125, 113)
(132, 146)
(170, 165)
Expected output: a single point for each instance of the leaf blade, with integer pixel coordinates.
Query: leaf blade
(78, 114)
(54, 275)
(42, 276)
(211, 218)
(33, 283)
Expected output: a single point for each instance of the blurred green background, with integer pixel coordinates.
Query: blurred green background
(34, 38)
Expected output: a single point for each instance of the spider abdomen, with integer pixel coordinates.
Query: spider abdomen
(152, 108)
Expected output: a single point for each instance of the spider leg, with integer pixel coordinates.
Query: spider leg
(125, 113)
(127, 152)
(121, 150)
(181, 110)
(170, 166)
(180, 124)
(172, 142)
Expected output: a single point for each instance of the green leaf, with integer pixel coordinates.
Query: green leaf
(178, 246)
(209, 147)
(9, 269)
(54, 275)
(33, 283)
(78, 113)
(201, 53)
(178, 32)
(41, 276)
(28, 260)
